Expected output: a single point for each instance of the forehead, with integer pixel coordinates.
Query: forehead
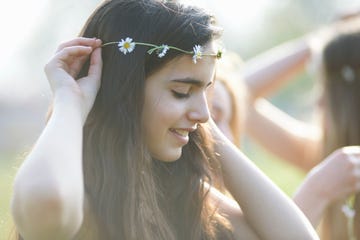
(183, 67)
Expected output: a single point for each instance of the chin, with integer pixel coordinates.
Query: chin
(170, 156)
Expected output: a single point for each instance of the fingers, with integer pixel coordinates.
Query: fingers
(352, 150)
(94, 73)
(95, 62)
(74, 51)
(65, 59)
(339, 174)
(353, 155)
(80, 41)
(356, 171)
(356, 161)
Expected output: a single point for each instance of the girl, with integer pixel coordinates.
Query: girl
(127, 150)
(324, 192)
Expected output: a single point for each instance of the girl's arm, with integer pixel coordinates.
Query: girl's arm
(295, 141)
(288, 138)
(266, 72)
(269, 212)
(48, 197)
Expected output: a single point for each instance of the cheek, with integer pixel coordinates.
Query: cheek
(161, 112)
(159, 117)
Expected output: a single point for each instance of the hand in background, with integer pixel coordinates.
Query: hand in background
(334, 179)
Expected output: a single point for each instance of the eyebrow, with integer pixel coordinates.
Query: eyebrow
(192, 81)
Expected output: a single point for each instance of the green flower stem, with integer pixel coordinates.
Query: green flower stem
(192, 52)
(350, 228)
(175, 48)
(136, 43)
(350, 202)
(109, 43)
(147, 44)
(155, 47)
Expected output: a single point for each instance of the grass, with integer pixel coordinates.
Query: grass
(7, 173)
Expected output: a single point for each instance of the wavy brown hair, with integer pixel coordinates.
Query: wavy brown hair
(130, 195)
(341, 82)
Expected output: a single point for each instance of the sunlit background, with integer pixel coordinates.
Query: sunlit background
(31, 30)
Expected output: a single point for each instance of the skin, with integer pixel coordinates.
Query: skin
(329, 181)
(221, 109)
(42, 192)
(263, 75)
(175, 102)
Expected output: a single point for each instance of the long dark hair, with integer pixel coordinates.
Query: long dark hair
(131, 195)
(341, 78)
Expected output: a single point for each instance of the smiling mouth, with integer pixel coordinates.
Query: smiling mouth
(180, 132)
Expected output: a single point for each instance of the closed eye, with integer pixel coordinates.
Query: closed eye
(180, 95)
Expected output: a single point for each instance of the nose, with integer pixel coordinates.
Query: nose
(199, 110)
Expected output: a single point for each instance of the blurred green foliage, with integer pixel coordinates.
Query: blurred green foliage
(286, 19)
(7, 173)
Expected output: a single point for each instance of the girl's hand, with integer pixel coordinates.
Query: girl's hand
(338, 175)
(334, 179)
(66, 64)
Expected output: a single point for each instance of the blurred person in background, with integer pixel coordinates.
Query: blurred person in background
(331, 181)
(228, 98)
(324, 193)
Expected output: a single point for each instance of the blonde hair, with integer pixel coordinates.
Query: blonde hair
(228, 73)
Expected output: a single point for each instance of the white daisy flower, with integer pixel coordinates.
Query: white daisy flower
(126, 46)
(348, 74)
(164, 48)
(197, 49)
(349, 212)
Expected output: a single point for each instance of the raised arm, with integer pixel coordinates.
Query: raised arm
(288, 138)
(266, 72)
(270, 213)
(263, 75)
(48, 196)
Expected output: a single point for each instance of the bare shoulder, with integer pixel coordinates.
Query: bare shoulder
(231, 210)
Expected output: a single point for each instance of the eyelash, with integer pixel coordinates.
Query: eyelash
(180, 95)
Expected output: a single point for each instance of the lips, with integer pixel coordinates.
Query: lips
(181, 135)
(181, 132)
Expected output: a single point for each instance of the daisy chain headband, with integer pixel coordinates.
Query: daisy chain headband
(127, 46)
